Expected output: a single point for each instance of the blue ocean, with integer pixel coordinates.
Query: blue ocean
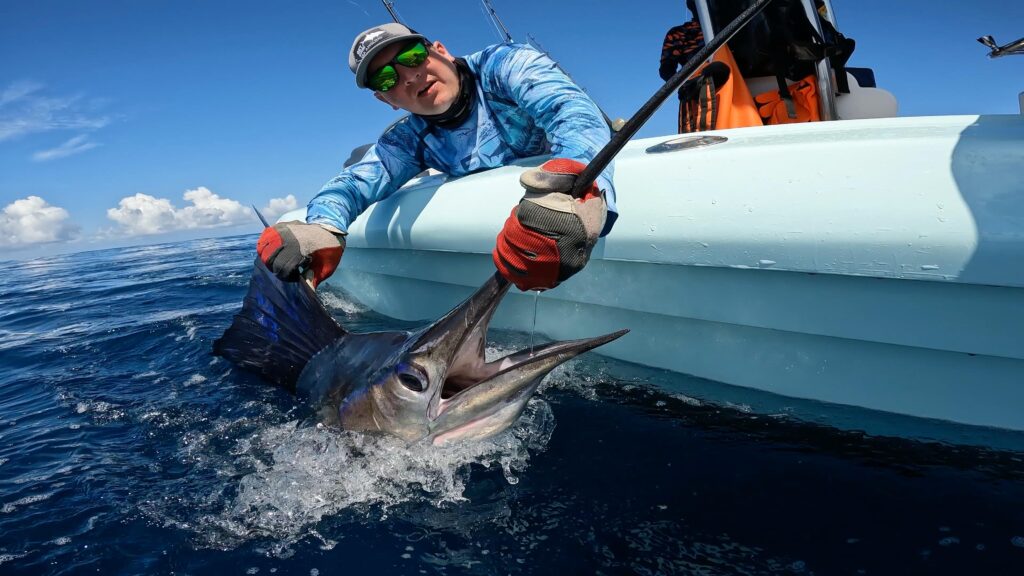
(126, 447)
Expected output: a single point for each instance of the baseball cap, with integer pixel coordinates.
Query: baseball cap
(369, 42)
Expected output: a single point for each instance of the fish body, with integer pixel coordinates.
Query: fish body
(433, 384)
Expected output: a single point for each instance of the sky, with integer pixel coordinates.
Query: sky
(141, 121)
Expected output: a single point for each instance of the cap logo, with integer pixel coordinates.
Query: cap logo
(367, 42)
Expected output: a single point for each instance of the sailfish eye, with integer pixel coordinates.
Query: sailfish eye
(408, 377)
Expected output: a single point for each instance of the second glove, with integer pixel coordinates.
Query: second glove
(288, 247)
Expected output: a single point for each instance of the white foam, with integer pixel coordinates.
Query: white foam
(335, 301)
(12, 506)
(190, 330)
(102, 411)
(299, 475)
(10, 557)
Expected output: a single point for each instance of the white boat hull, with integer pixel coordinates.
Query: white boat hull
(875, 263)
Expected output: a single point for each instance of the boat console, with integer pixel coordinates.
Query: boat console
(778, 45)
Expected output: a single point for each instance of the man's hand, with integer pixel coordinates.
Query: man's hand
(287, 246)
(550, 234)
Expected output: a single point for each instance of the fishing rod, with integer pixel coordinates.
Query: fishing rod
(390, 6)
(503, 32)
(633, 125)
(493, 15)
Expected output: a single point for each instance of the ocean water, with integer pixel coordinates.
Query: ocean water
(126, 448)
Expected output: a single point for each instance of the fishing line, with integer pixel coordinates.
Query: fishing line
(533, 330)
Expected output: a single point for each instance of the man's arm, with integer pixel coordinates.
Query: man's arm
(574, 125)
(549, 235)
(385, 167)
(317, 245)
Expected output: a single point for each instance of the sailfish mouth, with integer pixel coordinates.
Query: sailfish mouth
(472, 387)
(474, 370)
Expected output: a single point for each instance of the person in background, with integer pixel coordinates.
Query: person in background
(505, 102)
(680, 43)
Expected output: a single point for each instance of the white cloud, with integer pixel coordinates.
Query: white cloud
(278, 206)
(145, 214)
(73, 146)
(209, 210)
(24, 110)
(32, 220)
(18, 90)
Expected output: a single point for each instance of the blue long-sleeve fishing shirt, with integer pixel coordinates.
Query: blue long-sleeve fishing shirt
(524, 106)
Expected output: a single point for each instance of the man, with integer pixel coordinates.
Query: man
(503, 103)
(680, 43)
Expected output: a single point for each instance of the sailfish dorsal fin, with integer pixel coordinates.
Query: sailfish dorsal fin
(280, 327)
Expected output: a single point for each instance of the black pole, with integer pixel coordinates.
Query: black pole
(391, 10)
(633, 125)
(497, 21)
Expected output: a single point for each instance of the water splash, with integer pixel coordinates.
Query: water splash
(294, 476)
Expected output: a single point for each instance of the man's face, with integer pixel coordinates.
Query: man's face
(428, 89)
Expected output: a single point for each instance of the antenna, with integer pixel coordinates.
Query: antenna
(492, 14)
(1016, 47)
(390, 6)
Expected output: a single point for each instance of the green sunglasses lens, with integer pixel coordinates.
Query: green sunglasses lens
(412, 56)
(384, 79)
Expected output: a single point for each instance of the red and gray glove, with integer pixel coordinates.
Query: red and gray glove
(290, 247)
(550, 234)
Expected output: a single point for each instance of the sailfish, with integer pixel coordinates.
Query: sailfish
(432, 384)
